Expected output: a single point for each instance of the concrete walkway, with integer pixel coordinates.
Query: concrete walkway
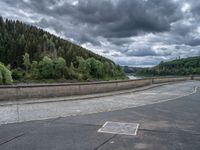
(166, 125)
(27, 111)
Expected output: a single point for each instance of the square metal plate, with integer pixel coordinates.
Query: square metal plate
(119, 128)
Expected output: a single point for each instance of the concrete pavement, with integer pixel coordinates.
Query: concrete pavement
(167, 121)
(20, 112)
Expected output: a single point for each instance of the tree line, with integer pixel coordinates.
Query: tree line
(56, 68)
(185, 66)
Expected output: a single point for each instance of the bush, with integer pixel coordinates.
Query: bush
(17, 74)
(70, 74)
(59, 67)
(5, 75)
(99, 70)
(46, 68)
(35, 70)
(8, 77)
(1, 77)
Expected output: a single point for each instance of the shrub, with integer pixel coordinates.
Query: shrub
(59, 67)
(5, 75)
(8, 77)
(17, 74)
(71, 73)
(35, 69)
(1, 77)
(46, 68)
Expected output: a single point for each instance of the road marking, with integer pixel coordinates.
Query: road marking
(119, 128)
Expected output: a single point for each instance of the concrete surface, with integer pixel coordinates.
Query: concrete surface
(18, 92)
(167, 125)
(20, 112)
(81, 97)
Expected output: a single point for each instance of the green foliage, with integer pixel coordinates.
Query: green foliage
(5, 75)
(59, 67)
(83, 66)
(46, 68)
(17, 74)
(71, 74)
(51, 56)
(18, 38)
(186, 66)
(35, 69)
(96, 68)
(1, 77)
(99, 70)
(8, 77)
(26, 61)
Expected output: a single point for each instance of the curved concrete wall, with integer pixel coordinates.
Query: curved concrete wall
(195, 78)
(171, 79)
(15, 92)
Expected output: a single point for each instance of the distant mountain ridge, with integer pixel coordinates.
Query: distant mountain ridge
(184, 66)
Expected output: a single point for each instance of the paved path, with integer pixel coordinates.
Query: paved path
(167, 121)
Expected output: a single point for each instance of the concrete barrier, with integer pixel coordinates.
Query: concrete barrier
(170, 79)
(195, 78)
(16, 92)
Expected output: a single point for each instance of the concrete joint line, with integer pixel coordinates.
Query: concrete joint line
(106, 141)
(11, 139)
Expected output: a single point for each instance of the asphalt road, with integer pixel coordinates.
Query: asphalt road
(169, 123)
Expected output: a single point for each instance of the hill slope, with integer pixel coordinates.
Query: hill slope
(185, 66)
(17, 38)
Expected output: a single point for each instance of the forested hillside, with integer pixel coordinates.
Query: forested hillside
(28, 51)
(185, 66)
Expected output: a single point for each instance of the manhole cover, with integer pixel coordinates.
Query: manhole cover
(119, 128)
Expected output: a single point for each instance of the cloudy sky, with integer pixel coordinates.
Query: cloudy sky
(130, 32)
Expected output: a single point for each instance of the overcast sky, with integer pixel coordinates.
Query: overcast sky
(130, 32)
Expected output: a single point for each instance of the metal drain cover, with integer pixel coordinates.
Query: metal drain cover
(119, 128)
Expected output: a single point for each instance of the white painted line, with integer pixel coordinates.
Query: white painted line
(121, 128)
(105, 124)
(117, 133)
(136, 130)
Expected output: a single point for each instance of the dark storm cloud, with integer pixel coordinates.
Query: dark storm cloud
(193, 42)
(120, 41)
(151, 29)
(141, 53)
(111, 18)
(106, 52)
(195, 7)
(122, 18)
